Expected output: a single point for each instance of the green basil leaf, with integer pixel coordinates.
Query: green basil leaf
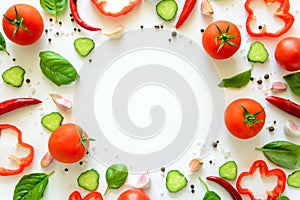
(282, 198)
(3, 44)
(211, 195)
(54, 7)
(57, 69)
(237, 81)
(293, 80)
(282, 153)
(116, 176)
(31, 186)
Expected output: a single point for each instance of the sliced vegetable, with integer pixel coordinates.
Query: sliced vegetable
(264, 172)
(175, 181)
(257, 53)
(116, 176)
(291, 128)
(237, 81)
(13, 104)
(54, 7)
(14, 76)
(293, 80)
(21, 162)
(84, 46)
(209, 195)
(286, 105)
(31, 186)
(282, 12)
(228, 170)
(92, 195)
(293, 179)
(89, 180)
(57, 69)
(282, 153)
(3, 44)
(166, 9)
(52, 121)
(186, 11)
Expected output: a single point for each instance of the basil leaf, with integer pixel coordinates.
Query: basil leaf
(211, 195)
(116, 176)
(31, 186)
(53, 7)
(56, 68)
(3, 44)
(282, 153)
(293, 80)
(282, 198)
(237, 81)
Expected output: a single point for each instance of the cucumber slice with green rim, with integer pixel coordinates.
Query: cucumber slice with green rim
(257, 53)
(166, 9)
(84, 46)
(52, 121)
(175, 181)
(14, 76)
(293, 179)
(228, 170)
(89, 180)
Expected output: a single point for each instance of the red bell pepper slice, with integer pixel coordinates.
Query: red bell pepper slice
(282, 12)
(100, 4)
(264, 172)
(23, 161)
(92, 195)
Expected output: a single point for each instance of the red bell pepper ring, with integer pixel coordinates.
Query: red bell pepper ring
(92, 195)
(23, 161)
(282, 12)
(264, 172)
(100, 4)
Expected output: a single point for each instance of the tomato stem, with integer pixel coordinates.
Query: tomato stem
(225, 37)
(83, 139)
(249, 118)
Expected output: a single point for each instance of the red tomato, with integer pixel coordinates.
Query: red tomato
(28, 24)
(287, 53)
(133, 194)
(244, 118)
(68, 143)
(221, 43)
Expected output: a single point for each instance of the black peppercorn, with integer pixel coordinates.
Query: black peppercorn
(259, 81)
(271, 128)
(266, 76)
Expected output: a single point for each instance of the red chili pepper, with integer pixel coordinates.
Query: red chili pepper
(23, 161)
(77, 18)
(285, 104)
(282, 12)
(186, 11)
(13, 104)
(100, 4)
(92, 195)
(264, 172)
(225, 184)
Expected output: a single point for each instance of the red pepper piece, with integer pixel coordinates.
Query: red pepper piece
(282, 12)
(264, 172)
(77, 18)
(186, 11)
(92, 195)
(285, 104)
(100, 4)
(23, 161)
(225, 184)
(13, 104)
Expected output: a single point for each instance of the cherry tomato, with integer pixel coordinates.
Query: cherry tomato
(287, 53)
(244, 118)
(221, 39)
(68, 143)
(23, 24)
(134, 194)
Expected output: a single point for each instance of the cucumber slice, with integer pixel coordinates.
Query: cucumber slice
(228, 170)
(166, 9)
(52, 121)
(257, 53)
(175, 181)
(293, 179)
(14, 76)
(84, 46)
(89, 180)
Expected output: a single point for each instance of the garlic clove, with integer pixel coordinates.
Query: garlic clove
(206, 8)
(46, 160)
(278, 87)
(195, 165)
(118, 32)
(144, 182)
(291, 129)
(61, 102)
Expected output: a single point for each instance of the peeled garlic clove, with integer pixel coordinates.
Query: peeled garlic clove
(144, 182)
(46, 160)
(291, 129)
(206, 7)
(61, 102)
(195, 164)
(278, 87)
(118, 32)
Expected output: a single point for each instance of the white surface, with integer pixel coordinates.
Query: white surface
(61, 184)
